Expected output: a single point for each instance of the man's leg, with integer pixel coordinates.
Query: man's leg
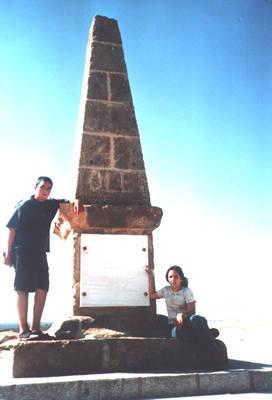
(39, 302)
(22, 308)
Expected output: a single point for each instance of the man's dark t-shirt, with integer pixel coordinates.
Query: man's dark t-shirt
(32, 220)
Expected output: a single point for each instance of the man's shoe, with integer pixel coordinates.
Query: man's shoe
(24, 335)
(39, 335)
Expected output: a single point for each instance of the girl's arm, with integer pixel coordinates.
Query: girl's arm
(181, 317)
(152, 293)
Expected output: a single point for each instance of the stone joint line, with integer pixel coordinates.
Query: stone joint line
(107, 43)
(106, 101)
(98, 169)
(108, 72)
(111, 135)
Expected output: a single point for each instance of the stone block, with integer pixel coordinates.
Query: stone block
(261, 380)
(107, 57)
(225, 381)
(105, 30)
(95, 217)
(56, 358)
(110, 118)
(120, 90)
(95, 151)
(5, 392)
(47, 391)
(115, 182)
(102, 187)
(136, 182)
(97, 86)
(128, 153)
(115, 389)
(169, 385)
(53, 358)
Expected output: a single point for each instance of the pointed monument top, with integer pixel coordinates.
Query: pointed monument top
(110, 161)
(105, 29)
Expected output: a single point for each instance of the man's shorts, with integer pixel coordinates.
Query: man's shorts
(31, 270)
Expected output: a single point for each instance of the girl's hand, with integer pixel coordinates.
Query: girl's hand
(179, 320)
(148, 270)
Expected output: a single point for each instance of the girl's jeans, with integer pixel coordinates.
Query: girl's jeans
(195, 329)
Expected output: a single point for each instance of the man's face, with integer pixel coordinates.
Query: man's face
(42, 190)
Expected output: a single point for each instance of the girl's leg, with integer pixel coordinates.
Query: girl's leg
(201, 331)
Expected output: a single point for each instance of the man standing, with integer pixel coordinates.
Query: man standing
(28, 243)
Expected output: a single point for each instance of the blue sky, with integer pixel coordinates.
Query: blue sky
(201, 79)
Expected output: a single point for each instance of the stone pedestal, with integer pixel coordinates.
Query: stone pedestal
(112, 355)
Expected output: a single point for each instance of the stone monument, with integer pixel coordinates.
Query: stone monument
(113, 234)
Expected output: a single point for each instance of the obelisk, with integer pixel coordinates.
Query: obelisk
(109, 155)
(113, 235)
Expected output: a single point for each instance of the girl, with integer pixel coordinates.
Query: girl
(180, 303)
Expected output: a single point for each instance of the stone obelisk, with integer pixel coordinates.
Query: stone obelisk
(110, 161)
(111, 183)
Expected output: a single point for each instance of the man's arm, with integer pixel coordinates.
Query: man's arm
(76, 204)
(7, 253)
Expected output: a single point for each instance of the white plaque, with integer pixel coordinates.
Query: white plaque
(113, 271)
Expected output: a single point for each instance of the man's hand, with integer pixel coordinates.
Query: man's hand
(77, 206)
(7, 259)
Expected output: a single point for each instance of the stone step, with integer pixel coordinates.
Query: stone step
(127, 386)
(85, 356)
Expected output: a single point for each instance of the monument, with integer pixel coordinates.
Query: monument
(112, 236)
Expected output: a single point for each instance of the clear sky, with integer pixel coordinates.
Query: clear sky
(201, 79)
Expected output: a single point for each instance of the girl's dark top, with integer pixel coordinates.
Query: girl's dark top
(32, 220)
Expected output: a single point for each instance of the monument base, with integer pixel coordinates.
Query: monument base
(87, 356)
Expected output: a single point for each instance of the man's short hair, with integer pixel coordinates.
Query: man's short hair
(45, 179)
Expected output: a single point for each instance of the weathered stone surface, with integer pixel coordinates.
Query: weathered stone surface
(97, 86)
(214, 383)
(105, 164)
(124, 354)
(105, 29)
(126, 154)
(107, 187)
(140, 220)
(95, 151)
(120, 90)
(262, 380)
(110, 118)
(133, 180)
(70, 328)
(107, 57)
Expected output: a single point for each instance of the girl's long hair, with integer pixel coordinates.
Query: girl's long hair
(184, 280)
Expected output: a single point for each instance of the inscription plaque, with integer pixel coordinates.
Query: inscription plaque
(113, 270)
